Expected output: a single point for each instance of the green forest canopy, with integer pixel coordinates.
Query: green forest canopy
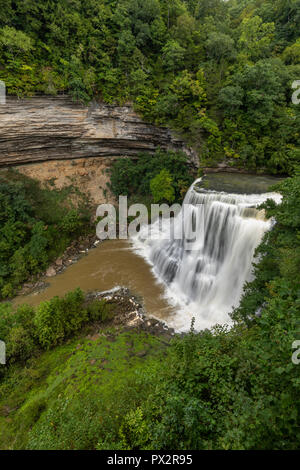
(219, 73)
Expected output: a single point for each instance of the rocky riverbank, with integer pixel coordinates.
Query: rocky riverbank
(130, 312)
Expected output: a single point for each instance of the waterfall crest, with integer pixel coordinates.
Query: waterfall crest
(205, 269)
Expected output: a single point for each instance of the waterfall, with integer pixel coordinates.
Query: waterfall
(206, 260)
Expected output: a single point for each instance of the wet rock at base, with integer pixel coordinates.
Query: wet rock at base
(50, 272)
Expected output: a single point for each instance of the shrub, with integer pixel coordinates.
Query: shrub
(48, 324)
(71, 222)
(6, 320)
(58, 318)
(99, 310)
(162, 187)
(17, 330)
(19, 344)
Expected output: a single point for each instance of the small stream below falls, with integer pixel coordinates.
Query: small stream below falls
(197, 272)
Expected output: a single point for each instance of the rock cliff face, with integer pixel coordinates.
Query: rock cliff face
(45, 128)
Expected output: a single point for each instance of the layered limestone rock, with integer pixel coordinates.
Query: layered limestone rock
(54, 128)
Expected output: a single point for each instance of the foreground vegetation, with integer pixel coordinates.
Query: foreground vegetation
(219, 73)
(72, 396)
(218, 389)
(36, 225)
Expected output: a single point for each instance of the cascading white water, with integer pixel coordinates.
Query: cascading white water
(204, 271)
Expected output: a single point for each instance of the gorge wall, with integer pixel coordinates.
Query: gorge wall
(52, 138)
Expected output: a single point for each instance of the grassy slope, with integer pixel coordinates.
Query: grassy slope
(52, 386)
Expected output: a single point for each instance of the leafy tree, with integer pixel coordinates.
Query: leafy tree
(256, 36)
(16, 42)
(162, 187)
(220, 46)
(263, 86)
(231, 98)
(172, 55)
(291, 54)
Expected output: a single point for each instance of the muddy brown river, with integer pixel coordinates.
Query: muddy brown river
(111, 264)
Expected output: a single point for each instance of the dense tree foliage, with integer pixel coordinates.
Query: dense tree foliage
(162, 188)
(219, 73)
(35, 226)
(164, 175)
